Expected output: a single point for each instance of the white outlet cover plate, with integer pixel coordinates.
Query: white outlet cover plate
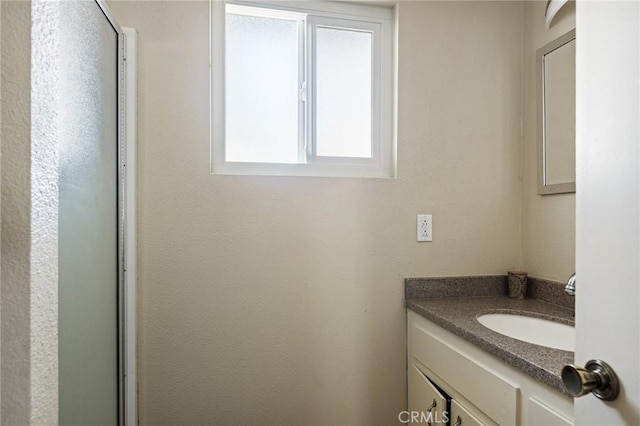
(424, 227)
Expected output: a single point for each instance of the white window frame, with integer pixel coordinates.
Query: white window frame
(374, 19)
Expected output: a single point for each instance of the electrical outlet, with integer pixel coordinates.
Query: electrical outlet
(425, 227)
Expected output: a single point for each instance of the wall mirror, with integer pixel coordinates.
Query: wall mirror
(556, 75)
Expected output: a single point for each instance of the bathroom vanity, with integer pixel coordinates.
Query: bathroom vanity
(460, 370)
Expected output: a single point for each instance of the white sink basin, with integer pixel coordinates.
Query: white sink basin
(533, 330)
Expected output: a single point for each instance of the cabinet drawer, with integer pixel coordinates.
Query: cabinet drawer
(490, 393)
(460, 416)
(426, 404)
(541, 415)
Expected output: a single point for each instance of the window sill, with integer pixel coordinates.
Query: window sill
(308, 170)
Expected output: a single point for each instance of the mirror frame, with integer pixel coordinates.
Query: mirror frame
(543, 188)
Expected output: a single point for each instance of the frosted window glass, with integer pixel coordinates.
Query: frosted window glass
(261, 98)
(343, 92)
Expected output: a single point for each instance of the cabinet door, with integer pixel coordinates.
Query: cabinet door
(467, 374)
(460, 416)
(426, 404)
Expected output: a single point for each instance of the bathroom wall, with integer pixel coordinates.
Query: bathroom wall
(548, 222)
(15, 196)
(278, 300)
(0, 213)
(28, 194)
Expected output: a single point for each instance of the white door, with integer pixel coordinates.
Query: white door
(607, 203)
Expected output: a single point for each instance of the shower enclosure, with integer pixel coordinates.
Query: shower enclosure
(91, 117)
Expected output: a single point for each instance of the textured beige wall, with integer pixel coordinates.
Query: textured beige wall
(16, 210)
(28, 282)
(279, 300)
(548, 222)
(0, 214)
(43, 306)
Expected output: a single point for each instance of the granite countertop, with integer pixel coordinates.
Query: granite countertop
(457, 313)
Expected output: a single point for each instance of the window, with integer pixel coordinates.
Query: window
(302, 88)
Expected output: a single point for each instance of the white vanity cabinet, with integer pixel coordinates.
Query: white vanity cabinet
(460, 416)
(540, 414)
(432, 406)
(482, 389)
(425, 398)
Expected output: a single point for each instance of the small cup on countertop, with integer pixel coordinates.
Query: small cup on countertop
(517, 284)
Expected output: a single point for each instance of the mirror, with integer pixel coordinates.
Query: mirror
(556, 65)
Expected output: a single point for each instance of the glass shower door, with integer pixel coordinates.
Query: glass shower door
(89, 274)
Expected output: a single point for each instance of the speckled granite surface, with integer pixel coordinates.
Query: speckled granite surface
(549, 291)
(458, 315)
(471, 286)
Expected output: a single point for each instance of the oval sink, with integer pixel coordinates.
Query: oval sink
(533, 330)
